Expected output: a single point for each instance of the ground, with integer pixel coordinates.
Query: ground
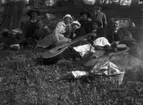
(24, 81)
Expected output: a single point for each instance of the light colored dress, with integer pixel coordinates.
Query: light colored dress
(57, 37)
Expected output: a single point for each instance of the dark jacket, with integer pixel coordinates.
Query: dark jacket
(79, 32)
(101, 17)
(86, 24)
(122, 34)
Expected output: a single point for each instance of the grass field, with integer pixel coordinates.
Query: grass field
(23, 81)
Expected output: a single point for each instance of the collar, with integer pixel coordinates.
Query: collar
(33, 21)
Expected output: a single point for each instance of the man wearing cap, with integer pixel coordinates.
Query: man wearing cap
(98, 15)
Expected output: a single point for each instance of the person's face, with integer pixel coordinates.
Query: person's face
(75, 26)
(67, 20)
(116, 24)
(34, 15)
(84, 16)
(95, 26)
(95, 11)
(40, 24)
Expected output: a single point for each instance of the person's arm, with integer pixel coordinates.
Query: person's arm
(127, 34)
(59, 30)
(47, 29)
(104, 19)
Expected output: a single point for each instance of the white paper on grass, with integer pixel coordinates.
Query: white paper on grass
(77, 74)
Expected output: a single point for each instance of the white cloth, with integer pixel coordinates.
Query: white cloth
(67, 15)
(56, 37)
(77, 23)
(101, 41)
(78, 74)
(84, 49)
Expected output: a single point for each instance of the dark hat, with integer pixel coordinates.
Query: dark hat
(85, 13)
(97, 22)
(33, 10)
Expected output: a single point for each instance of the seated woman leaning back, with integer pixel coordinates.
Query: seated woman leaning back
(60, 35)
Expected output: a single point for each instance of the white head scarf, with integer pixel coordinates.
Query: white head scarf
(77, 23)
(68, 15)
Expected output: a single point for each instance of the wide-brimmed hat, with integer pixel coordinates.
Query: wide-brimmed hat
(33, 10)
(76, 23)
(68, 15)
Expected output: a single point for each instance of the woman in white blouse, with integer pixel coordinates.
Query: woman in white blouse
(60, 35)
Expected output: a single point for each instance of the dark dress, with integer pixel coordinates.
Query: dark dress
(86, 24)
(33, 32)
(31, 27)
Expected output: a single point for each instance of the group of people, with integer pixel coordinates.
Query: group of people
(95, 23)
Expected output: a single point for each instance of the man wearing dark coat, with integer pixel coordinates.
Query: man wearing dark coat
(121, 35)
(118, 34)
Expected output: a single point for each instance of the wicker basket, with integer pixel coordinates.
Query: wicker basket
(114, 78)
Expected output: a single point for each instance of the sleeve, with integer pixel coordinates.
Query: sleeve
(47, 29)
(128, 35)
(58, 30)
(104, 20)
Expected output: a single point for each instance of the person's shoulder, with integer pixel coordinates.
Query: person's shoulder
(60, 23)
(123, 29)
(101, 13)
(89, 20)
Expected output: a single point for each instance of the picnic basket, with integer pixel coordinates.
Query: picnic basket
(108, 75)
(113, 78)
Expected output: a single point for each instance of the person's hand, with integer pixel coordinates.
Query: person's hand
(74, 35)
(69, 40)
(117, 42)
(94, 31)
(113, 45)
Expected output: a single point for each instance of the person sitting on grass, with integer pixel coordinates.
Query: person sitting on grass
(96, 30)
(85, 21)
(34, 29)
(60, 35)
(77, 31)
(119, 35)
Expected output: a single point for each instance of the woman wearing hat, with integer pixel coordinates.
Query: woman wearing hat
(33, 29)
(77, 30)
(60, 35)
